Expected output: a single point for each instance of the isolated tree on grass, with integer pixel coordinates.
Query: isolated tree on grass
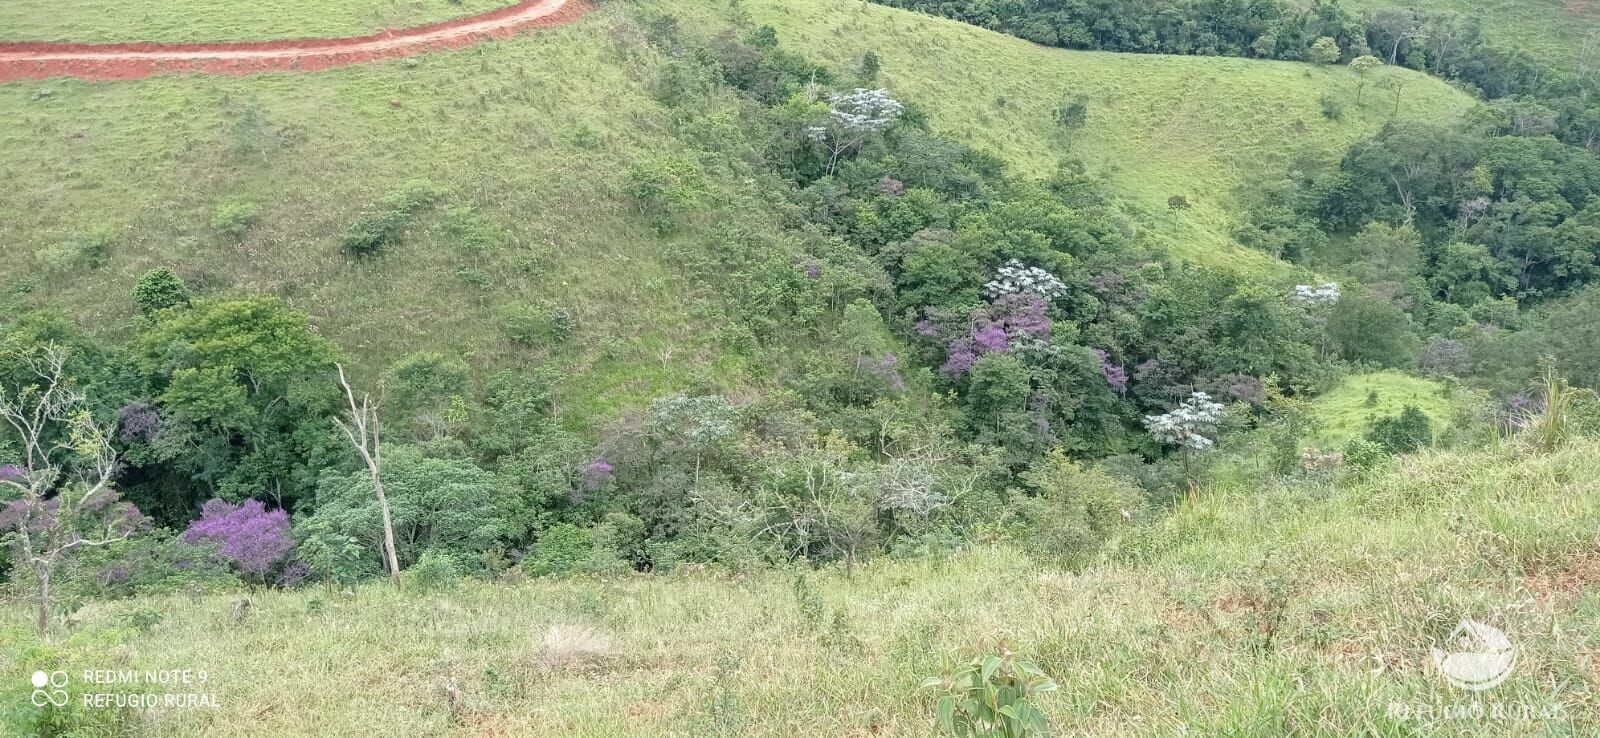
(1397, 86)
(362, 431)
(1363, 66)
(64, 499)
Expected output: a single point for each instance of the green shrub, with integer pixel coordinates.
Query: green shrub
(1324, 51)
(991, 696)
(1076, 508)
(667, 186)
(95, 246)
(435, 571)
(413, 195)
(867, 70)
(1073, 114)
(152, 564)
(373, 233)
(1362, 455)
(1403, 433)
(159, 289)
(471, 230)
(1332, 109)
(563, 549)
(56, 258)
(232, 219)
(89, 248)
(141, 620)
(529, 325)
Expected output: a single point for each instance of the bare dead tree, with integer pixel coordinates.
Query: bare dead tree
(65, 499)
(362, 430)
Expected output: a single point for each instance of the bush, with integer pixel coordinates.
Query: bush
(435, 571)
(1076, 509)
(153, 564)
(333, 556)
(1403, 433)
(666, 187)
(1325, 51)
(991, 696)
(91, 249)
(1332, 109)
(529, 325)
(141, 620)
(566, 549)
(232, 219)
(870, 65)
(1073, 114)
(95, 246)
(449, 505)
(159, 289)
(1363, 455)
(373, 233)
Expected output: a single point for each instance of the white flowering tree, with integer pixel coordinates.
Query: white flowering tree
(1318, 301)
(1192, 426)
(1321, 295)
(1017, 278)
(852, 118)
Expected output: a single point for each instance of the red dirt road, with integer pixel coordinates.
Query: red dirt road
(41, 60)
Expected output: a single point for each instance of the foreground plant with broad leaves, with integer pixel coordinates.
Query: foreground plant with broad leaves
(992, 696)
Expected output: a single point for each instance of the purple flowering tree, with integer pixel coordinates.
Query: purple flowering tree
(1012, 321)
(61, 496)
(139, 422)
(254, 538)
(1116, 375)
(592, 477)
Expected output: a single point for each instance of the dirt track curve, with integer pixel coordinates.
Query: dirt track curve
(43, 59)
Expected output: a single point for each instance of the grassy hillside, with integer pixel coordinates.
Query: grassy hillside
(1292, 610)
(1553, 30)
(1158, 125)
(1343, 413)
(94, 21)
(532, 141)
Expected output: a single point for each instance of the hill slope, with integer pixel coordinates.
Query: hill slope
(529, 156)
(1554, 30)
(1159, 125)
(530, 143)
(1290, 610)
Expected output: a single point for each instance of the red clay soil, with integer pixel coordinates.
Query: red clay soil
(41, 59)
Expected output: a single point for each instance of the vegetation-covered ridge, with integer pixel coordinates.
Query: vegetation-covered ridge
(1158, 127)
